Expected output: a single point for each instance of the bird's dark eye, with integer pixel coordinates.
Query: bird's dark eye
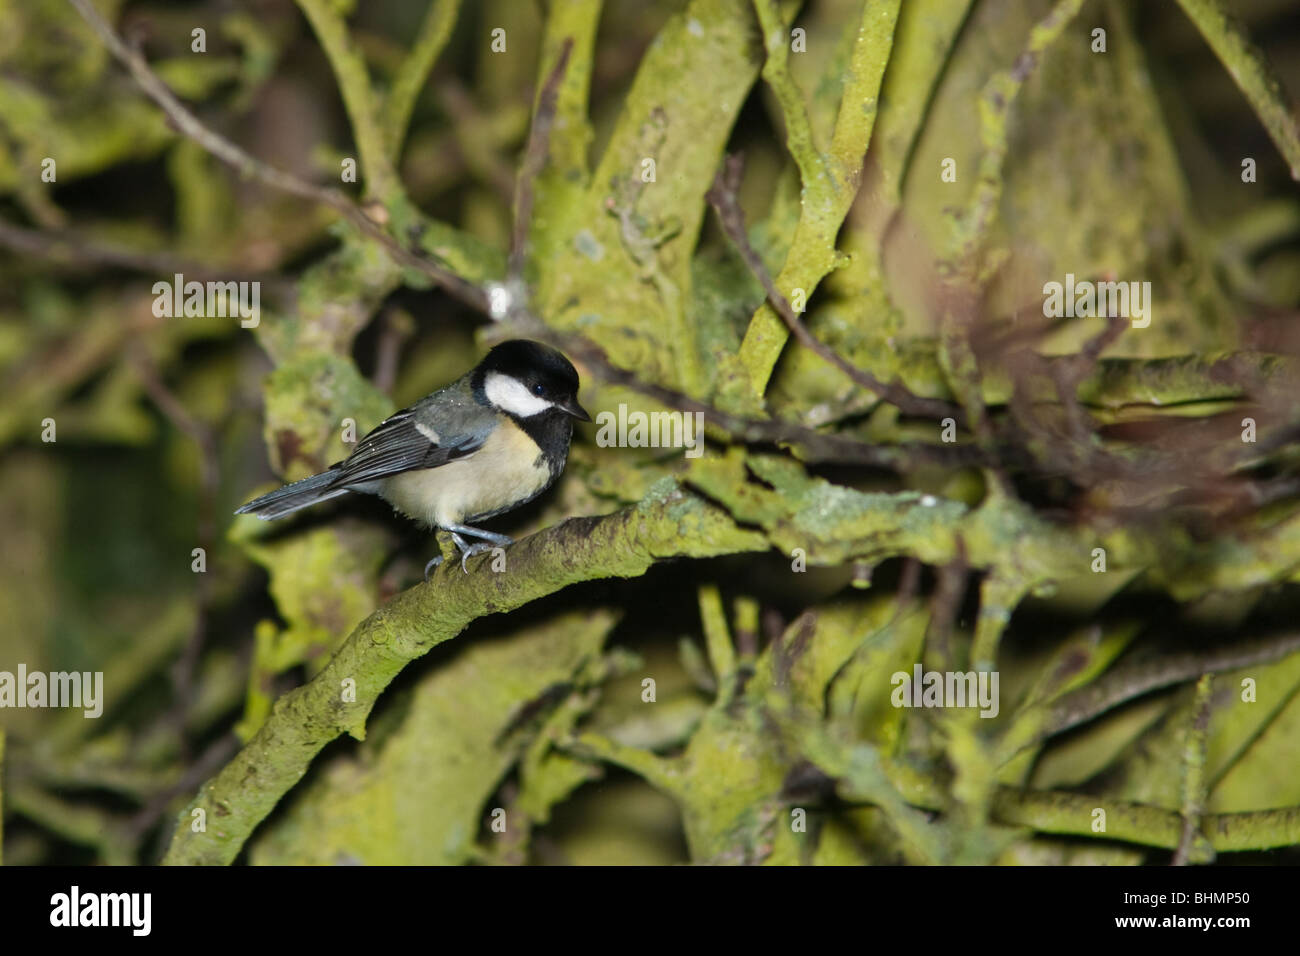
(538, 389)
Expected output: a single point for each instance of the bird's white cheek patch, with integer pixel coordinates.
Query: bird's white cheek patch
(511, 395)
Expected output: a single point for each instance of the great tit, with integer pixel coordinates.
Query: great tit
(492, 440)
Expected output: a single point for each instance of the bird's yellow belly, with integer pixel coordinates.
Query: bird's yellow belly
(508, 469)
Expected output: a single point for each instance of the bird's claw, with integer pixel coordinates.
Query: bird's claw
(465, 555)
(470, 552)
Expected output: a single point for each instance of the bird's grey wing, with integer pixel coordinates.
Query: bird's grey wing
(402, 442)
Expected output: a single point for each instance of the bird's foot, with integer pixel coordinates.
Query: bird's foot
(466, 549)
(472, 550)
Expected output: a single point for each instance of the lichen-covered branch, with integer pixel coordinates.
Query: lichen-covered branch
(829, 181)
(358, 97)
(303, 721)
(1252, 74)
(435, 31)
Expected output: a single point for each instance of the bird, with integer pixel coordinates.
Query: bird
(492, 440)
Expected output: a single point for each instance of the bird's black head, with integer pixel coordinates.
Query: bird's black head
(525, 378)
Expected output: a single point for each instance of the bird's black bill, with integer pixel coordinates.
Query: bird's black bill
(571, 407)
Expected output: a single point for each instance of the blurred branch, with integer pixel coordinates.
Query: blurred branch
(358, 97)
(78, 251)
(396, 329)
(996, 101)
(945, 604)
(1071, 814)
(1000, 595)
(1252, 73)
(77, 823)
(1068, 375)
(571, 32)
(483, 159)
(713, 621)
(435, 31)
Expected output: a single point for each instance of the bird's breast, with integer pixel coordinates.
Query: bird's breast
(506, 471)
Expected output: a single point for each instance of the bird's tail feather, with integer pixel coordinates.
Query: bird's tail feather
(290, 498)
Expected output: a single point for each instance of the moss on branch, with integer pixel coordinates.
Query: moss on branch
(669, 524)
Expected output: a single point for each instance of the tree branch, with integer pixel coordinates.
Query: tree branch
(723, 198)
(358, 97)
(539, 139)
(435, 31)
(830, 182)
(624, 544)
(1252, 74)
(1127, 683)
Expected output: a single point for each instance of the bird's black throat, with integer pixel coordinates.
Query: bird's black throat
(552, 431)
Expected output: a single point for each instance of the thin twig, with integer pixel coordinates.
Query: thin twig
(74, 250)
(1069, 375)
(396, 327)
(909, 585)
(723, 197)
